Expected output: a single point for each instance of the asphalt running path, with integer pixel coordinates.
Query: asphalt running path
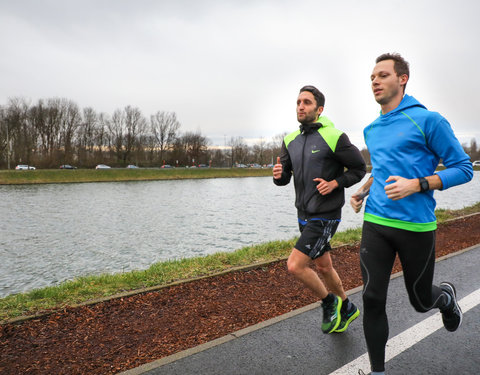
(409, 338)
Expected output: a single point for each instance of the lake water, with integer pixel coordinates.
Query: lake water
(53, 233)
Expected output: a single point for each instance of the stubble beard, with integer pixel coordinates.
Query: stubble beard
(383, 100)
(308, 119)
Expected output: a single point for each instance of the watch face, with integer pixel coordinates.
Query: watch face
(423, 184)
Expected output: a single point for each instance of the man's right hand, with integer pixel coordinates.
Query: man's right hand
(277, 169)
(356, 201)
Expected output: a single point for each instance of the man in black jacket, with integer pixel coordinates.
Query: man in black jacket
(317, 155)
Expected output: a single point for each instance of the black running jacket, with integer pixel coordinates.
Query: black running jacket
(319, 150)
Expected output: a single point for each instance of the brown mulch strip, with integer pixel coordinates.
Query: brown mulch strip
(120, 334)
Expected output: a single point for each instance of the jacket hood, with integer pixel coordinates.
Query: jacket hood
(325, 122)
(407, 102)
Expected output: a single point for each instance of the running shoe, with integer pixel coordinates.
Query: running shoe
(331, 315)
(347, 318)
(452, 315)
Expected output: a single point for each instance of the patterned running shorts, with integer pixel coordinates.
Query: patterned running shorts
(315, 237)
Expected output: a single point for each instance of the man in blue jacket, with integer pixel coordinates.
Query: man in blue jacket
(317, 155)
(406, 143)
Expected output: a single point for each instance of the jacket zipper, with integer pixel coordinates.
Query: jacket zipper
(304, 206)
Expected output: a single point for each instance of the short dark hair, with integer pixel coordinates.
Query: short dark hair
(400, 65)
(319, 97)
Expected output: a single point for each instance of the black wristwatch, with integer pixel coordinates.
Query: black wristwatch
(424, 186)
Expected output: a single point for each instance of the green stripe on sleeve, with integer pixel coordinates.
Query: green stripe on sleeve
(419, 128)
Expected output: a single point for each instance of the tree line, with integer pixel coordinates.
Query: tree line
(57, 131)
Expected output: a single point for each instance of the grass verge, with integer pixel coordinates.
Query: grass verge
(49, 176)
(88, 288)
(58, 176)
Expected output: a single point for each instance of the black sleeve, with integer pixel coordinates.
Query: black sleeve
(351, 158)
(287, 167)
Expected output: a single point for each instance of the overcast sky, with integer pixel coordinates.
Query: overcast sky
(234, 68)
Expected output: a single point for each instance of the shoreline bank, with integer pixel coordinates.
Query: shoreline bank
(53, 176)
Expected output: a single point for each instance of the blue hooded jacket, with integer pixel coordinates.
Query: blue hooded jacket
(409, 141)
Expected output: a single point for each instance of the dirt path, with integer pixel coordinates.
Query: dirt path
(124, 333)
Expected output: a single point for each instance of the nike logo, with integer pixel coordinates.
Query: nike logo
(315, 151)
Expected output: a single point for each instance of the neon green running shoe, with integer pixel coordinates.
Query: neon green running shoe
(347, 318)
(331, 315)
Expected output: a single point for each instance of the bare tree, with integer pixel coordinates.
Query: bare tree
(191, 148)
(125, 127)
(86, 135)
(36, 118)
(6, 134)
(164, 127)
(275, 147)
(474, 152)
(56, 124)
(116, 131)
(136, 126)
(102, 138)
(23, 138)
(260, 152)
(69, 123)
(219, 158)
(239, 150)
(53, 121)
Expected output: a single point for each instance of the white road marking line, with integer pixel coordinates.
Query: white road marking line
(408, 338)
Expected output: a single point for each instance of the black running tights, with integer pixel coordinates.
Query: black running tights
(378, 249)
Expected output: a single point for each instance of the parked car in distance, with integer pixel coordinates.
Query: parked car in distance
(476, 163)
(202, 166)
(131, 166)
(24, 167)
(67, 166)
(102, 166)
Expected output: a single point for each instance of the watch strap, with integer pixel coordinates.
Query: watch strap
(424, 186)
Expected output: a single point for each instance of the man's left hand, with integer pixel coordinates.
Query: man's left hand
(325, 187)
(401, 188)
